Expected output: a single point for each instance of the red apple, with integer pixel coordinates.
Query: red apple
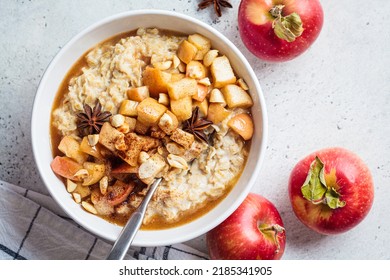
(254, 231)
(331, 190)
(279, 30)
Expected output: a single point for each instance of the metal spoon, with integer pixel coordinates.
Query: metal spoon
(129, 231)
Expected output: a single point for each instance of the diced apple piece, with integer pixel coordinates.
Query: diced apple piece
(65, 167)
(151, 167)
(163, 99)
(182, 108)
(168, 122)
(242, 124)
(108, 136)
(119, 192)
(186, 51)
(182, 138)
(128, 108)
(141, 128)
(222, 72)
(217, 113)
(96, 171)
(138, 94)
(71, 148)
(202, 43)
(209, 57)
(156, 80)
(235, 97)
(150, 111)
(203, 107)
(90, 150)
(83, 191)
(182, 88)
(195, 70)
(201, 92)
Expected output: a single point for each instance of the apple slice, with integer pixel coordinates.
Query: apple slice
(242, 124)
(96, 171)
(119, 192)
(65, 167)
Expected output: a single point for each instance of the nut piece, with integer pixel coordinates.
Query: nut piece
(209, 57)
(103, 185)
(70, 185)
(89, 207)
(177, 162)
(81, 174)
(143, 157)
(76, 197)
(117, 120)
(205, 81)
(163, 99)
(176, 61)
(183, 138)
(93, 139)
(242, 84)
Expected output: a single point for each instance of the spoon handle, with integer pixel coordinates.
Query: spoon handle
(128, 233)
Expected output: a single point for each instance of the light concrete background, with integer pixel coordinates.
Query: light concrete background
(335, 94)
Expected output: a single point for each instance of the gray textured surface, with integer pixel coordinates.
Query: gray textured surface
(336, 94)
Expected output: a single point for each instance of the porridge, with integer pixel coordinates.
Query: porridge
(146, 105)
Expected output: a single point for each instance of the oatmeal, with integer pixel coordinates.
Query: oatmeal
(152, 105)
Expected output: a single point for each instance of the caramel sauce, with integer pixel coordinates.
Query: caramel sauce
(55, 136)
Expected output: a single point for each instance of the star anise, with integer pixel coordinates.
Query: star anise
(196, 125)
(91, 120)
(217, 5)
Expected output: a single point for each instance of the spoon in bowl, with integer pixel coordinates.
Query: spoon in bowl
(125, 238)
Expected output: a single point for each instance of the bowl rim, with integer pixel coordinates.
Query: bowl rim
(264, 123)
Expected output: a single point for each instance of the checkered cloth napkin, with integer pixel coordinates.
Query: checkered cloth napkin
(32, 226)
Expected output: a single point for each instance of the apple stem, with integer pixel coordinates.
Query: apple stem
(286, 27)
(275, 229)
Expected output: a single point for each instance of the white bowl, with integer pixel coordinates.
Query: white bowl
(69, 54)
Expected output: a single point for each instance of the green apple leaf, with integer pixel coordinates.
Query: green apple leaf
(332, 198)
(316, 190)
(314, 187)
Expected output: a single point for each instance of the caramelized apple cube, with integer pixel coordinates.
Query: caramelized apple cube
(201, 93)
(71, 148)
(186, 51)
(202, 43)
(217, 113)
(138, 94)
(128, 108)
(168, 122)
(195, 70)
(150, 111)
(242, 124)
(235, 97)
(182, 138)
(182, 108)
(222, 72)
(182, 88)
(156, 80)
(141, 128)
(90, 150)
(108, 136)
